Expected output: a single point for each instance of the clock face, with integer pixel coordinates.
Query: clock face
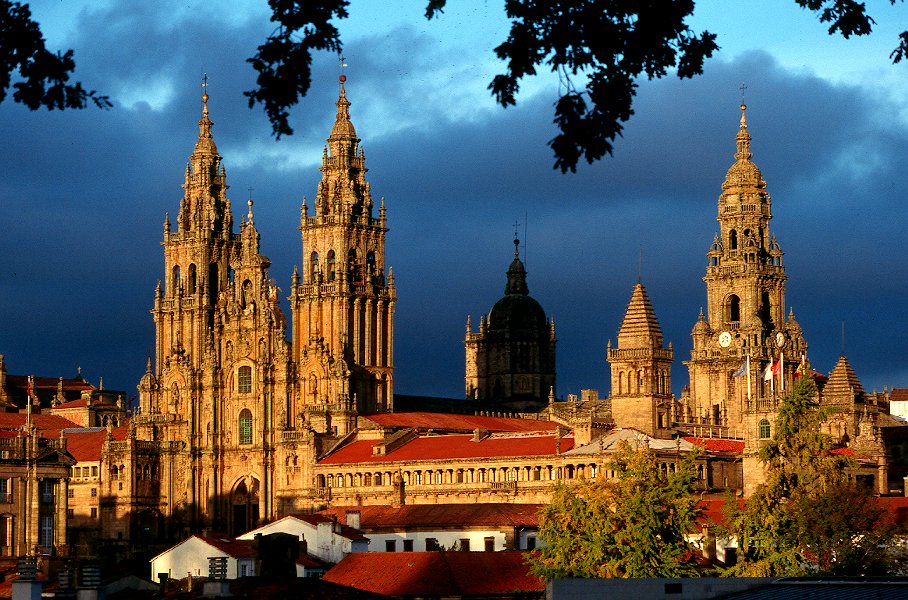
(780, 339)
(725, 339)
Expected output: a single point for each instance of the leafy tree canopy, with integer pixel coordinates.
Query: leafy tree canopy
(809, 518)
(633, 525)
(598, 48)
(43, 75)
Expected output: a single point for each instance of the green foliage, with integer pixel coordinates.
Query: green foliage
(808, 518)
(284, 61)
(42, 75)
(632, 526)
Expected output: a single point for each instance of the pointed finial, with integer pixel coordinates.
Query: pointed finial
(205, 93)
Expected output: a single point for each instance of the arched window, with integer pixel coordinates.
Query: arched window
(245, 426)
(734, 309)
(765, 430)
(370, 262)
(244, 380)
(733, 240)
(330, 266)
(313, 266)
(175, 278)
(192, 279)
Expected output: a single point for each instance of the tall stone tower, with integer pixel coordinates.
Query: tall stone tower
(510, 361)
(641, 370)
(342, 302)
(219, 384)
(745, 329)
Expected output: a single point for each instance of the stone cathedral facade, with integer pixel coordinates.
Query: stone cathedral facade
(232, 415)
(242, 420)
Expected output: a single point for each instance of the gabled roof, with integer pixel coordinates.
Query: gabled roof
(290, 522)
(436, 447)
(453, 422)
(85, 443)
(227, 545)
(433, 574)
(429, 516)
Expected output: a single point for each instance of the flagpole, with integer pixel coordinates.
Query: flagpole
(782, 368)
(748, 378)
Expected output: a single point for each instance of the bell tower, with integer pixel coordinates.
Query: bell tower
(744, 332)
(342, 302)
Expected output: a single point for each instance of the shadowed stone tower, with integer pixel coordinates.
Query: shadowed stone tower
(510, 361)
(744, 330)
(216, 391)
(641, 370)
(342, 303)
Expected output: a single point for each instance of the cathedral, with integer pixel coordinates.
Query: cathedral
(246, 415)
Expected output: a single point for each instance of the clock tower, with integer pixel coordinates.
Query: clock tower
(745, 349)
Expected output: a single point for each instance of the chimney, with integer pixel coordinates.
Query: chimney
(353, 519)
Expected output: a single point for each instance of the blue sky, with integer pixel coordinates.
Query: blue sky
(83, 195)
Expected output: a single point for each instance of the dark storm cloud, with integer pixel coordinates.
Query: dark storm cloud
(84, 194)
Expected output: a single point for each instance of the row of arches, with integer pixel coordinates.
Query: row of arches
(328, 271)
(423, 477)
(634, 382)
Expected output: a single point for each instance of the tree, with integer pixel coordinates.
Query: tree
(808, 518)
(598, 48)
(634, 525)
(42, 74)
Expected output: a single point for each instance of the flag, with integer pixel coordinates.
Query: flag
(742, 370)
(767, 374)
(777, 367)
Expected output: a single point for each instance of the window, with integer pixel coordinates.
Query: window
(464, 545)
(71, 493)
(390, 545)
(531, 542)
(245, 426)
(489, 544)
(244, 380)
(734, 309)
(330, 265)
(765, 430)
(47, 530)
(408, 545)
(432, 545)
(94, 512)
(94, 492)
(47, 492)
(94, 471)
(70, 513)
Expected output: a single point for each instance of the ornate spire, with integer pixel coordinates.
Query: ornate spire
(343, 127)
(205, 143)
(744, 173)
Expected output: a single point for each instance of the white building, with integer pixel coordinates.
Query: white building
(190, 557)
(325, 538)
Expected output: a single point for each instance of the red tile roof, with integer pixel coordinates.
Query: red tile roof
(48, 425)
(85, 444)
(898, 394)
(21, 381)
(229, 546)
(451, 422)
(373, 518)
(717, 444)
(433, 574)
(435, 447)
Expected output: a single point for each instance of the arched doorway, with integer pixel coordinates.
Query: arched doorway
(244, 501)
